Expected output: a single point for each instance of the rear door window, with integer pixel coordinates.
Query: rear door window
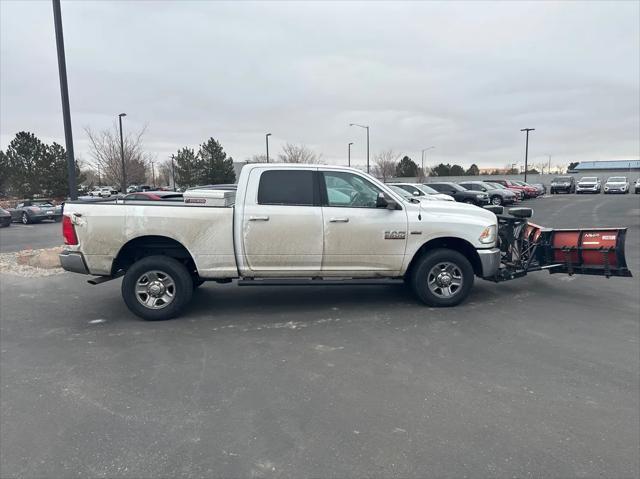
(287, 187)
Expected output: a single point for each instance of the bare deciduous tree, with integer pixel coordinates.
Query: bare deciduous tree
(104, 147)
(384, 164)
(298, 154)
(257, 159)
(163, 173)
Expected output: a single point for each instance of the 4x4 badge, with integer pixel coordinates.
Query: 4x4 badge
(391, 235)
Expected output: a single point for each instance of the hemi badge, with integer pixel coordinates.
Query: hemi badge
(416, 232)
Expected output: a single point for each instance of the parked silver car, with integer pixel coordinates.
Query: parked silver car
(497, 196)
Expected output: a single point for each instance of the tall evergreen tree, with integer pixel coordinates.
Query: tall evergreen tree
(406, 168)
(186, 166)
(25, 156)
(214, 166)
(5, 172)
(473, 170)
(441, 170)
(456, 170)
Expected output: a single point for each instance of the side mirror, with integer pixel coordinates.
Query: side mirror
(383, 201)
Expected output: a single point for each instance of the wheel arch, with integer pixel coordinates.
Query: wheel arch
(448, 242)
(151, 245)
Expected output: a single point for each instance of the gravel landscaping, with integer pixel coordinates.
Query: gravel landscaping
(32, 263)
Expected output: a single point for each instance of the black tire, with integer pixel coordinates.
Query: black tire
(181, 288)
(25, 218)
(496, 200)
(58, 219)
(433, 260)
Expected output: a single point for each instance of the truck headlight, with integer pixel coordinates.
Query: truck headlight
(488, 235)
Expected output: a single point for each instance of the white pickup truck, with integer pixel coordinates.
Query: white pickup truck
(283, 221)
(304, 222)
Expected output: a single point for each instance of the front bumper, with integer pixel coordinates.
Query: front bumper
(615, 189)
(589, 188)
(489, 261)
(73, 261)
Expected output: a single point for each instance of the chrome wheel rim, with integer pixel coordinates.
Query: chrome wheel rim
(496, 201)
(25, 218)
(155, 289)
(445, 279)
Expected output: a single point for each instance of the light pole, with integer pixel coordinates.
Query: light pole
(267, 140)
(64, 93)
(349, 154)
(367, 128)
(526, 152)
(173, 171)
(124, 171)
(426, 149)
(153, 176)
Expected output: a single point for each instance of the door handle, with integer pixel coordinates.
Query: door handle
(339, 220)
(258, 218)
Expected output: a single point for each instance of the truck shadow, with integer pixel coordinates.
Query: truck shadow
(226, 303)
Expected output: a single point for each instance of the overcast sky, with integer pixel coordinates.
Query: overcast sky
(464, 77)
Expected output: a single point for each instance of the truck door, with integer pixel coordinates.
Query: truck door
(282, 222)
(359, 238)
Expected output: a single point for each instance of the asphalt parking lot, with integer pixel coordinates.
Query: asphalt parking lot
(34, 236)
(538, 377)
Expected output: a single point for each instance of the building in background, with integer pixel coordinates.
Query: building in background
(607, 166)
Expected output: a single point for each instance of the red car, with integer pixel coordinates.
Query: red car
(525, 190)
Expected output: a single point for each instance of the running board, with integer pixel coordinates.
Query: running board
(318, 282)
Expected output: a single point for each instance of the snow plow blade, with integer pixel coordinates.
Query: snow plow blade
(527, 247)
(595, 251)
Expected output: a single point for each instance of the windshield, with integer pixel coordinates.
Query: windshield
(489, 186)
(618, 179)
(589, 178)
(497, 185)
(562, 178)
(41, 203)
(455, 186)
(404, 193)
(428, 190)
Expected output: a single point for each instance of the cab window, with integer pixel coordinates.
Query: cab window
(349, 190)
(287, 187)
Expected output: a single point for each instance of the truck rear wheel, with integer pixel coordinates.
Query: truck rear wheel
(156, 288)
(442, 277)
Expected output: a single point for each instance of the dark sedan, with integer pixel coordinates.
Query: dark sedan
(34, 211)
(497, 196)
(5, 218)
(461, 194)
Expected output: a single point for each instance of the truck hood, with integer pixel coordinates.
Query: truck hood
(470, 213)
(467, 221)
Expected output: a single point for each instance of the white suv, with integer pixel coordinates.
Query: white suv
(616, 184)
(589, 184)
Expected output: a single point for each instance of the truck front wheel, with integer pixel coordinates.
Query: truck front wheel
(442, 277)
(157, 288)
